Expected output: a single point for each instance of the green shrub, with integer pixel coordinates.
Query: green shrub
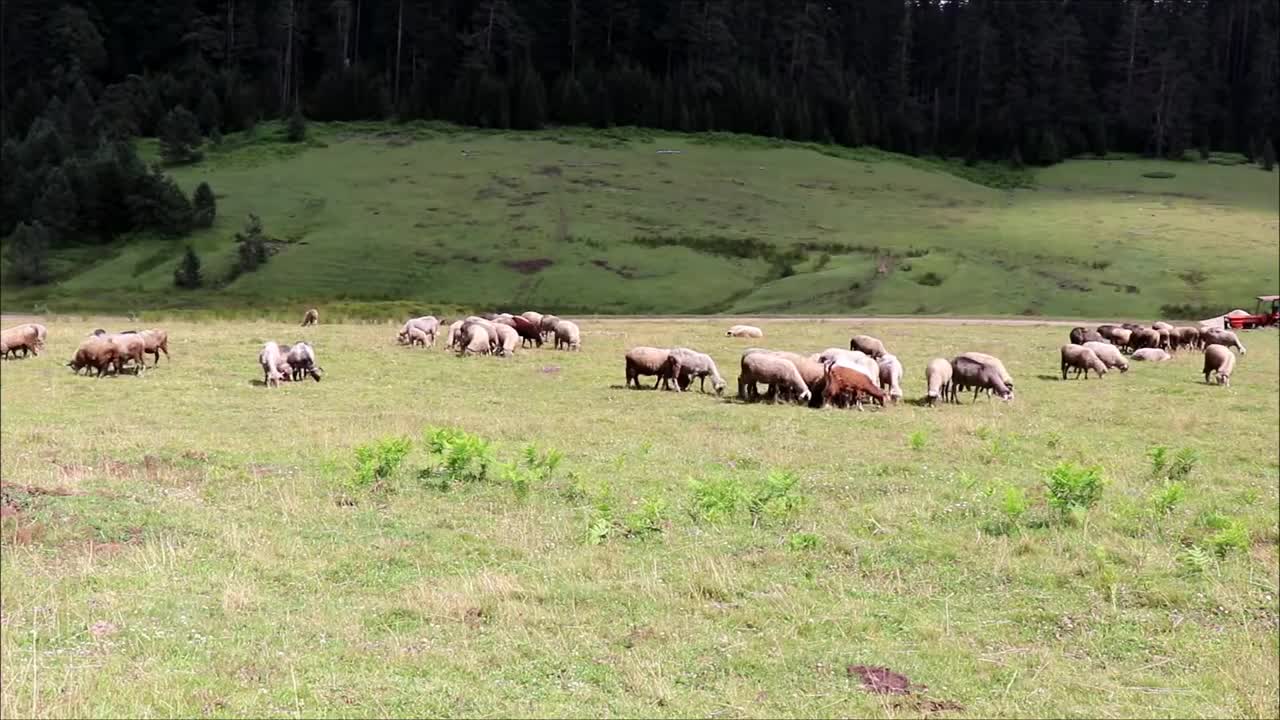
(775, 497)
(1232, 536)
(1074, 489)
(1159, 456)
(1195, 560)
(601, 525)
(930, 279)
(648, 519)
(376, 462)
(1158, 175)
(917, 440)
(1168, 497)
(716, 498)
(463, 457)
(1013, 503)
(1183, 463)
(803, 542)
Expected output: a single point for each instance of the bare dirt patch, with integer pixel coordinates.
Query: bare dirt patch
(530, 266)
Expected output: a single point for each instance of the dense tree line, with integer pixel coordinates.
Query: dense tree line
(1003, 79)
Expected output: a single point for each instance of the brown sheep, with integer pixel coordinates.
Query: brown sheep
(312, 317)
(23, 337)
(156, 341)
(528, 330)
(643, 360)
(95, 353)
(779, 373)
(129, 348)
(845, 385)
(1080, 336)
(1081, 359)
(1144, 338)
(867, 344)
(1219, 359)
(1186, 337)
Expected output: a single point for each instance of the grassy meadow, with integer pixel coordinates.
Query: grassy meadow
(638, 222)
(188, 542)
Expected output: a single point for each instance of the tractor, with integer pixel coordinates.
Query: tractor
(1259, 318)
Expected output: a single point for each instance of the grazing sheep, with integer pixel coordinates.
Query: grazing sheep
(1122, 338)
(568, 336)
(302, 362)
(271, 358)
(130, 347)
(645, 360)
(312, 317)
(428, 325)
(156, 341)
(1080, 336)
(744, 331)
(547, 325)
(813, 372)
(1161, 325)
(994, 362)
(1109, 355)
(533, 317)
(454, 338)
(853, 359)
(1108, 332)
(416, 336)
(969, 373)
(845, 385)
(1144, 338)
(95, 353)
(1151, 355)
(1186, 337)
(507, 339)
(937, 377)
(891, 376)
(779, 373)
(691, 364)
(489, 326)
(1222, 337)
(23, 337)
(1081, 358)
(1219, 359)
(1166, 338)
(867, 344)
(4, 348)
(528, 330)
(474, 340)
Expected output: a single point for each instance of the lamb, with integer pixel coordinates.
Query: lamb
(891, 376)
(311, 317)
(474, 339)
(270, 358)
(969, 373)
(1219, 359)
(427, 325)
(867, 344)
(645, 360)
(1151, 355)
(1222, 337)
(129, 347)
(302, 362)
(994, 362)
(777, 372)
(744, 331)
(568, 336)
(1080, 336)
(847, 384)
(690, 364)
(507, 339)
(1082, 359)
(937, 377)
(95, 353)
(1109, 355)
(156, 341)
(23, 337)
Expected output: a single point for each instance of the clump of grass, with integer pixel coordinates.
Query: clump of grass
(1159, 175)
(1168, 497)
(930, 279)
(917, 440)
(715, 498)
(1195, 560)
(1183, 463)
(532, 468)
(376, 462)
(803, 542)
(722, 497)
(1073, 489)
(1233, 535)
(648, 518)
(463, 457)
(775, 497)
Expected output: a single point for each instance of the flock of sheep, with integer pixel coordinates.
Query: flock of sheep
(866, 372)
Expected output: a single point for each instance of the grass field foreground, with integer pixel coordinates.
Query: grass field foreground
(188, 542)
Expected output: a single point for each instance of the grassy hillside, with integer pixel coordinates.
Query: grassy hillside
(199, 547)
(441, 216)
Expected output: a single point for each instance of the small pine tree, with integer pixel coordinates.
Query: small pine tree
(157, 202)
(187, 274)
(57, 207)
(180, 136)
(80, 115)
(252, 251)
(296, 131)
(204, 206)
(28, 253)
(1268, 156)
(209, 111)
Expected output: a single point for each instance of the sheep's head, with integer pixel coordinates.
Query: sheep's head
(718, 386)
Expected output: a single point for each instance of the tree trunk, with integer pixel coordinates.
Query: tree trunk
(399, 40)
(231, 31)
(355, 45)
(573, 38)
(488, 34)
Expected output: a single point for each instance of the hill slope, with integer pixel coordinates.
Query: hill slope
(653, 223)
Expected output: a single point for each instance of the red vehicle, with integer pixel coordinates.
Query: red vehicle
(1259, 318)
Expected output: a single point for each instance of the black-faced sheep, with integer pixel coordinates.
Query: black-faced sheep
(1219, 359)
(302, 362)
